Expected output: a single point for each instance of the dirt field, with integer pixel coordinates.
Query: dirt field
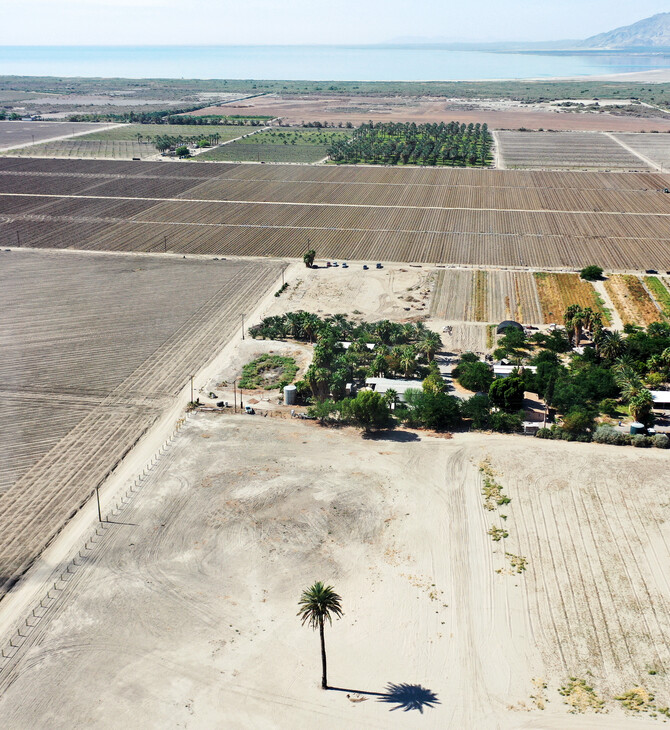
(398, 293)
(358, 110)
(95, 348)
(182, 610)
(489, 218)
(566, 150)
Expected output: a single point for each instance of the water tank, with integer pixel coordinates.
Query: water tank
(290, 395)
(636, 428)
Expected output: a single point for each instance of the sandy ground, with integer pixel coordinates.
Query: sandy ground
(397, 292)
(182, 614)
(498, 115)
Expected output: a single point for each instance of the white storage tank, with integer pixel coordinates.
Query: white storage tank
(290, 395)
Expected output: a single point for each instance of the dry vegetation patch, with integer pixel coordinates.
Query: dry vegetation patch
(558, 291)
(580, 696)
(632, 300)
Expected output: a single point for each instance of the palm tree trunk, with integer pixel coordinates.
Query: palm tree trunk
(324, 678)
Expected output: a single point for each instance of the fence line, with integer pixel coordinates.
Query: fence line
(10, 655)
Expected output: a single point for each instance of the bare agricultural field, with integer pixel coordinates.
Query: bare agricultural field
(655, 147)
(632, 300)
(487, 218)
(565, 150)
(203, 578)
(14, 134)
(486, 296)
(361, 109)
(95, 348)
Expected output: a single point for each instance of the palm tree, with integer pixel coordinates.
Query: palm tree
(612, 346)
(391, 397)
(408, 360)
(640, 405)
(430, 344)
(317, 604)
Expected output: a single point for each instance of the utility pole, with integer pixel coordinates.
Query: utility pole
(242, 326)
(165, 243)
(18, 240)
(235, 395)
(191, 389)
(97, 494)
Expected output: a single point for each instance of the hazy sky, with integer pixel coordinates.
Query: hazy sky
(194, 22)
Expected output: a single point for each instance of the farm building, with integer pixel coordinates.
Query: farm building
(504, 371)
(381, 385)
(661, 399)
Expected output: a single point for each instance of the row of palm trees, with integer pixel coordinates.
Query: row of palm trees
(308, 327)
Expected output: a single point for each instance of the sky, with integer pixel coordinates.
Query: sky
(278, 22)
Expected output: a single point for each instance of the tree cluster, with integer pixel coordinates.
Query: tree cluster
(393, 143)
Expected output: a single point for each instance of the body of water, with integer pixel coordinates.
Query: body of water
(317, 63)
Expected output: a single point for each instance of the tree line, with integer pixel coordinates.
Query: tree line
(394, 143)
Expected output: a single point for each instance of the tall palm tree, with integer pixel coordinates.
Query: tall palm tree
(430, 344)
(317, 604)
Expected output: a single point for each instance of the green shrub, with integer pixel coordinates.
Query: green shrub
(605, 434)
(544, 433)
(661, 441)
(591, 273)
(259, 372)
(640, 441)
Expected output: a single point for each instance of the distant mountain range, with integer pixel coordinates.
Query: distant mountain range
(648, 34)
(651, 32)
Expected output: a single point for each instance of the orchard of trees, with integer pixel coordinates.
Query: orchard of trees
(395, 143)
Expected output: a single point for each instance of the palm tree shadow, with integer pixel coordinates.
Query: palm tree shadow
(404, 696)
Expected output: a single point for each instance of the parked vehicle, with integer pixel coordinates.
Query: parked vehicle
(249, 410)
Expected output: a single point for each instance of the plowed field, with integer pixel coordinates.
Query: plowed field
(489, 218)
(486, 296)
(94, 348)
(566, 150)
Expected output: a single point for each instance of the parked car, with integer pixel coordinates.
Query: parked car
(651, 271)
(365, 267)
(379, 266)
(345, 265)
(249, 410)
